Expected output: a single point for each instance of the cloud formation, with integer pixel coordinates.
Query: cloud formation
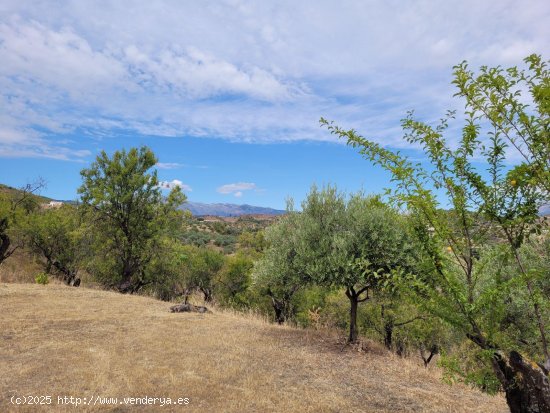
(237, 188)
(241, 70)
(168, 165)
(173, 184)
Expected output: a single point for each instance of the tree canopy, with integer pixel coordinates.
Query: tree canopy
(122, 196)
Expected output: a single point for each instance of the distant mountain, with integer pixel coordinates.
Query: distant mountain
(228, 210)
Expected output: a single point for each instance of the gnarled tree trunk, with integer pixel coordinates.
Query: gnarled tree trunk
(282, 307)
(525, 383)
(353, 331)
(207, 293)
(279, 309)
(388, 334)
(69, 275)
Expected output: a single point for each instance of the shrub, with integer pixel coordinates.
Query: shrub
(42, 278)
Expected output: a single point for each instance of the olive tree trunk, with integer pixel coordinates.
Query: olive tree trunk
(354, 300)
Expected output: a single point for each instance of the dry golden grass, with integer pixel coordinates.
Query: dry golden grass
(56, 340)
(21, 267)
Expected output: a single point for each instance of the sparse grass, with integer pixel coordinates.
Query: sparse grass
(56, 340)
(21, 267)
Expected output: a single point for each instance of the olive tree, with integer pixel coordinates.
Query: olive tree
(358, 244)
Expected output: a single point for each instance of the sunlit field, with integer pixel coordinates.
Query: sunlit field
(61, 341)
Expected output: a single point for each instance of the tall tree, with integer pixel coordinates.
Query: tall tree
(506, 110)
(122, 197)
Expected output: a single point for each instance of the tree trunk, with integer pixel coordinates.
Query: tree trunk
(388, 333)
(279, 309)
(526, 385)
(279, 314)
(353, 331)
(354, 300)
(4, 246)
(281, 306)
(186, 293)
(434, 349)
(400, 348)
(126, 284)
(69, 276)
(207, 293)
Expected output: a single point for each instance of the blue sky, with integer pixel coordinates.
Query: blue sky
(229, 93)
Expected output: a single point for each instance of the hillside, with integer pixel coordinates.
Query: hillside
(11, 192)
(85, 343)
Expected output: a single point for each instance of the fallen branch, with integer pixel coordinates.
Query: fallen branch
(189, 308)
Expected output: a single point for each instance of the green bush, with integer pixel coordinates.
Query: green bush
(471, 366)
(42, 278)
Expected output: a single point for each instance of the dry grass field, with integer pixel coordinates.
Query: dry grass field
(62, 341)
(21, 267)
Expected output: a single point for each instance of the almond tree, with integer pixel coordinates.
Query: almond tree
(507, 111)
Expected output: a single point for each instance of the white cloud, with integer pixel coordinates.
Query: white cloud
(197, 74)
(237, 188)
(61, 59)
(243, 70)
(168, 165)
(18, 142)
(173, 184)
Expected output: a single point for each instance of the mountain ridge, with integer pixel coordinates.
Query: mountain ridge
(228, 209)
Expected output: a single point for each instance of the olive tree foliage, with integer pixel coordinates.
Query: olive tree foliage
(127, 215)
(14, 210)
(358, 244)
(280, 272)
(55, 235)
(506, 113)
